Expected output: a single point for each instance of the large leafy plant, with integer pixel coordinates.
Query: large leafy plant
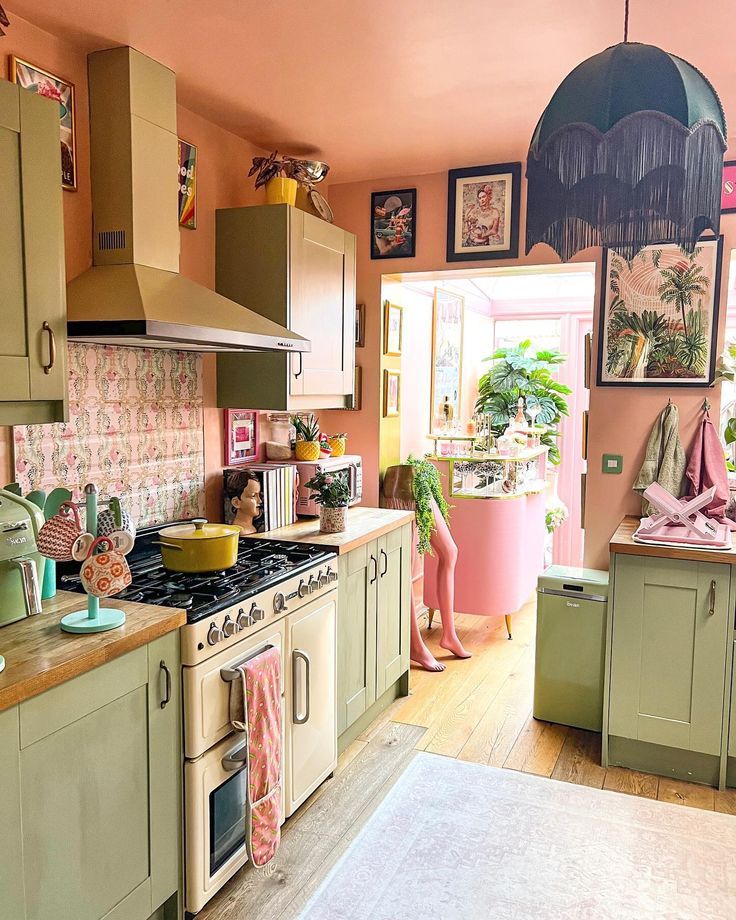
(515, 373)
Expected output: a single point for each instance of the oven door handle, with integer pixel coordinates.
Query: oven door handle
(296, 656)
(235, 759)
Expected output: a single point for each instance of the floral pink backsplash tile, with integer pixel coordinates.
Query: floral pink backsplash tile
(135, 429)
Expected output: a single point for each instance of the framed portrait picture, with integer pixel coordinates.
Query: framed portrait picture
(659, 316)
(394, 224)
(187, 182)
(728, 188)
(241, 436)
(360, 325)
(447, 356)
(391, 393)
(392, 328)
(47, 84)
(483, 212)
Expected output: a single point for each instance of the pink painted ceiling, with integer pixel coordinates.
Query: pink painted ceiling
(387, 87)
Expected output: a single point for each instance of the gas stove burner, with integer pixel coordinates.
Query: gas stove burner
(181, 599)
(278, 559)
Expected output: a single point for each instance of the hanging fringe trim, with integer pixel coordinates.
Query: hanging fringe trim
(647, 180)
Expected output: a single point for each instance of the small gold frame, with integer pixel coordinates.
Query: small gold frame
(389, 312)
(391, 410)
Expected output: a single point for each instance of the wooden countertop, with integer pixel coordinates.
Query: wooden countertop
(364, 524)
(38, 655)
(622, 542)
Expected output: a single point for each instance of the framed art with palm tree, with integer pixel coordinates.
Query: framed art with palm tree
(659, 316)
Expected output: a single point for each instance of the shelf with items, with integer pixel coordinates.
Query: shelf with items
(494, 476)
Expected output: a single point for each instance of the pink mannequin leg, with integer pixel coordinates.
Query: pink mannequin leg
(445, 550)
(419, 653)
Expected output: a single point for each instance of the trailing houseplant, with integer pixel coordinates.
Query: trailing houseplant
(331, 492)
(515, 374)
(426, 485)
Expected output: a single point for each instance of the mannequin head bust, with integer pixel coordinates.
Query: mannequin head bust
(243, 500)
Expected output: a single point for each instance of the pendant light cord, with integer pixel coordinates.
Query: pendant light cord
(626, 20)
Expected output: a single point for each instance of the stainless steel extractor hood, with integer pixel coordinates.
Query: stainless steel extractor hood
(134, 294)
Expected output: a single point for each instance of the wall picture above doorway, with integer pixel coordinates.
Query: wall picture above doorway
(391, 393)
(483, 212)
(447, 357)
(394, 224)
(393, 322)
(659, 316)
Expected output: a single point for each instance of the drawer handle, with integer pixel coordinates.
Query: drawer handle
(299, 372)
(375, 570)
(385, 562)
(712, 609)
(52, 348)
(167, 675)
(299, 655)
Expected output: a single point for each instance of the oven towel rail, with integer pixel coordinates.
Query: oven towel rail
(255, 707)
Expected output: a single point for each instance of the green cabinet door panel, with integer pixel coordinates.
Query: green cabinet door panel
(732, 729)
(394, 599)
(668, 658)
(32, 288)
(356, 633)
(12, 899)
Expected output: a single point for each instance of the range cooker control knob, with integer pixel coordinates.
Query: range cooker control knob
(279, 602)
(257, 613)
(214, 634)
(244, 619)
(313, 583)
(331, 576)
(229, 627)
(323, 578)
(303, 590)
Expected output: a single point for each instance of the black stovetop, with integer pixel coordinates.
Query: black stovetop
(261, 564)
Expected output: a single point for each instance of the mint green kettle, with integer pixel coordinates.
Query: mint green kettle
(21, 565)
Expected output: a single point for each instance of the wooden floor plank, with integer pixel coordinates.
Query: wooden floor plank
(725, 801)
(631, 782)
(580, 759)
(537, 748)
(692, 795)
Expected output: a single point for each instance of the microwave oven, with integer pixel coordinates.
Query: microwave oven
(352, 465)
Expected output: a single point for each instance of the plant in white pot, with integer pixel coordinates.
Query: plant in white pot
(332, 493)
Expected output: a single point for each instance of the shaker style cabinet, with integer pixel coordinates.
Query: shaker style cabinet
(670, 643)
(90, 803)
(372, 623)
(298, 271)
(32, 288)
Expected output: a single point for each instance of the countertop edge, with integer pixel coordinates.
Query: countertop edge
(622, 544)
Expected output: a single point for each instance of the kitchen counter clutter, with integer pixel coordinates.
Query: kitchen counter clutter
(668, 697)
(38, 656)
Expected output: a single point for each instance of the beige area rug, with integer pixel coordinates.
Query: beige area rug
(460, 840)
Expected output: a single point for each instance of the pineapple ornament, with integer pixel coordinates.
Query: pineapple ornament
(307, 437)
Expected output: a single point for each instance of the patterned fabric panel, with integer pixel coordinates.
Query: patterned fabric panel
(135, 429)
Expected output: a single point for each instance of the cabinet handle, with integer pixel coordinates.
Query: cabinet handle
(712, 609)
(375, 569)
(52, 348)
(301, 368)
(167, 675)
(385, 562)
(300, 720)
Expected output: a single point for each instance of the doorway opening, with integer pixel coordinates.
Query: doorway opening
(549, 307)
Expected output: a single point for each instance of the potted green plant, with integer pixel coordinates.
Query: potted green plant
(332, 493)
(307, 445)
(515, 374)
(277, 174)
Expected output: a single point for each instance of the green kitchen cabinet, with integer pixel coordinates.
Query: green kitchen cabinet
(374, 606)
(731, 750)
(299, 271)
(95, 830)
(669, 634)
(32, 288)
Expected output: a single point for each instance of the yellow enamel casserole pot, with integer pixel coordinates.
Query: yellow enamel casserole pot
(199, 546)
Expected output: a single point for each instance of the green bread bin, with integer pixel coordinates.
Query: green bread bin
(570, 647)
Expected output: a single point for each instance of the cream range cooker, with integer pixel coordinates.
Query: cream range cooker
(278, 594)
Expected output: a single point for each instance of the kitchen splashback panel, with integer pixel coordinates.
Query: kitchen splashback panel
(135, 428)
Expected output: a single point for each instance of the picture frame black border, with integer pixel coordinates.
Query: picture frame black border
(714, 328)
(729, 210)
(467, 172)
(396, 255)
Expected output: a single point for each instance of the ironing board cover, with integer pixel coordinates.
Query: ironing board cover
(262, 704)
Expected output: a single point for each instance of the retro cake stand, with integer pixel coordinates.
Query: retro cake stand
(680, 522)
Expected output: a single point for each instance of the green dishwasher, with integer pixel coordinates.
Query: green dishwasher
(571, 632)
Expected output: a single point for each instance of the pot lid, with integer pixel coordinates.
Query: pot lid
(199, 529)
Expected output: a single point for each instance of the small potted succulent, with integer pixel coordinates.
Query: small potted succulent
(307, 445)
(332, 493)
(278, 174)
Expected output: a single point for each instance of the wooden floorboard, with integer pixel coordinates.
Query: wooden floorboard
(580, 759)
(537, 748)
(693, 795)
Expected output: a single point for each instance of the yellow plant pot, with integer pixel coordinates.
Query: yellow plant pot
(307, 450)
(338, 446)
(281, 190)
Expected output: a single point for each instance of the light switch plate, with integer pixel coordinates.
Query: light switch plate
(613, 463)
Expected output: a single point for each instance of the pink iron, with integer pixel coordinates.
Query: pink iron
(680, 522)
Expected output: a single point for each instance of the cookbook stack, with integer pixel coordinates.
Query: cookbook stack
(278, 494)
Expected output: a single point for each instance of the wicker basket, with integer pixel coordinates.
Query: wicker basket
(307, 450)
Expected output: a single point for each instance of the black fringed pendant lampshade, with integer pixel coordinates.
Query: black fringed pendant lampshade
(629, 152)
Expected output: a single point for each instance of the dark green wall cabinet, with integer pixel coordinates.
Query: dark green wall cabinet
(32, 289)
